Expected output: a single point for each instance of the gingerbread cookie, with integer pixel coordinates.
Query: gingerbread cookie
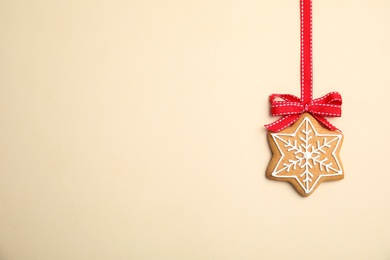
(305, 154)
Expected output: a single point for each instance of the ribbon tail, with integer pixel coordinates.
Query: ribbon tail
(282, 123)
(325, 122)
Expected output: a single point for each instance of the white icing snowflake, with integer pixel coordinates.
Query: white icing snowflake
(305, 153)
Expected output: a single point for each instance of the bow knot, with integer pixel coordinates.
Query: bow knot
(291, 107)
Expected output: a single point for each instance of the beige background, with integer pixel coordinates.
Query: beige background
(133, 130)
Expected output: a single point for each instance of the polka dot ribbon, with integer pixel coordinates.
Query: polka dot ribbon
(291, 107)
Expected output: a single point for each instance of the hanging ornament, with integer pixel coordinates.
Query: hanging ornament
(305, 145)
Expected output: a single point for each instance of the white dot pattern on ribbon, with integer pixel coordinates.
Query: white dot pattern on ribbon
(288, 104)
(311, 50)
(303, 52)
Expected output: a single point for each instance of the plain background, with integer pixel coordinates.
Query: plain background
(134, 130)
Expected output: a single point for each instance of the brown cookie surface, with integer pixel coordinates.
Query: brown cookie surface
(305, 154)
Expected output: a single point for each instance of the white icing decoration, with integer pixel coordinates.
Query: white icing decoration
(307, 155)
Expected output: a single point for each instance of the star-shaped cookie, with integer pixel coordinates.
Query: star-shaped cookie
(305, 154)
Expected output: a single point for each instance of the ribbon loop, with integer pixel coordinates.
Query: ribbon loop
(291, 107)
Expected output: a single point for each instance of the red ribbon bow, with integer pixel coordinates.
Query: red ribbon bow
(291, 107)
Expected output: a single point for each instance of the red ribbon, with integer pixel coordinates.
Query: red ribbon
(291, 107)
